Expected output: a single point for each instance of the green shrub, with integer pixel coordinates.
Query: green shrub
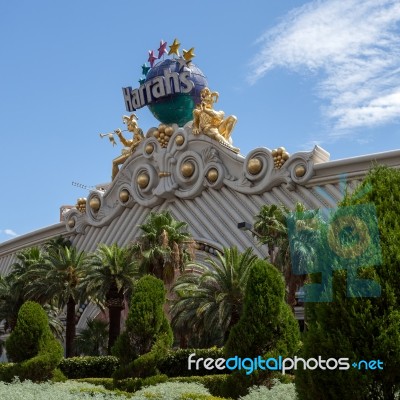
(359, 328)
(25, 339)
(176, 362)
(89, 367)
(58, 376)
(7, 372)
(32, 345)
(148, 334)
(266, 327)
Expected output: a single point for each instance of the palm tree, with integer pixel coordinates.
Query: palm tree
(57, 280)
(292, 256)
(111, 273)
(164, 246)
(210, 297)
(270, 224)
(13, 291)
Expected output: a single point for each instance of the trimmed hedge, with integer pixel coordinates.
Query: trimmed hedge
(89, 367)
(176, 362)
(32, 346)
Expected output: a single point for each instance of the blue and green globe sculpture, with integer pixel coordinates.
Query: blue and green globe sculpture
(176, 108)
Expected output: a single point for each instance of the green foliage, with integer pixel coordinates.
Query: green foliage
(147, 364)
(165, 245)
(89, 367)
(92, 341)
(359, 327)
(110, 274)
(7, 372)
(273, 226)
(209, 298)
(13, 291)
(131, 385)
(267, 326)
(148, 334)
(24, 341)
(176, 362)
(58, 376)
(32, 345)
(56, 280)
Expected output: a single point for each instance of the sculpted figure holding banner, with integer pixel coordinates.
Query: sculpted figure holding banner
(211, 122)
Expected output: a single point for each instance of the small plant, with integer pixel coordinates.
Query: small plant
(279, 391)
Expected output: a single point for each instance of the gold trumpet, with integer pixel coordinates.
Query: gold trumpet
(111, 136)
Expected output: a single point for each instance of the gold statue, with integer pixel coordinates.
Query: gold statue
(212, 123)
(130, 144)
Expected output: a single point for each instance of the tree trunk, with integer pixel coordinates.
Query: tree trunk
(115, 305)
(114, 313)
(70, 328)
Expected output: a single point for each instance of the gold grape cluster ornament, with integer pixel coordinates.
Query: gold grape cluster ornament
(280, 156)
(81, 204)
(163, 134)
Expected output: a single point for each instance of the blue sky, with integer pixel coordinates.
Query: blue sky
(295, 73)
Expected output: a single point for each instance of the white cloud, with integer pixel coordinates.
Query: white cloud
(9, 232)
(354, 46)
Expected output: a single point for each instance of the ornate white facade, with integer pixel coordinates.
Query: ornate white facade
(204, 183)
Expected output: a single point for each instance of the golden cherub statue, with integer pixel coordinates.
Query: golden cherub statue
(130, 144)
(212, 123)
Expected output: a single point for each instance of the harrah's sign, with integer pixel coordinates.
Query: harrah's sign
(167, 84)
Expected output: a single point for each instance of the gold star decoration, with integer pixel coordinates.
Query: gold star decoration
(173, 48)
(188, 54)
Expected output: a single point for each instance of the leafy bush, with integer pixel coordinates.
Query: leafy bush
(7, 372)
(89, 367)
(32, 345)
(58, 376)
(148, 335)
(359, 328)
(176, 362)
(267, 326)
